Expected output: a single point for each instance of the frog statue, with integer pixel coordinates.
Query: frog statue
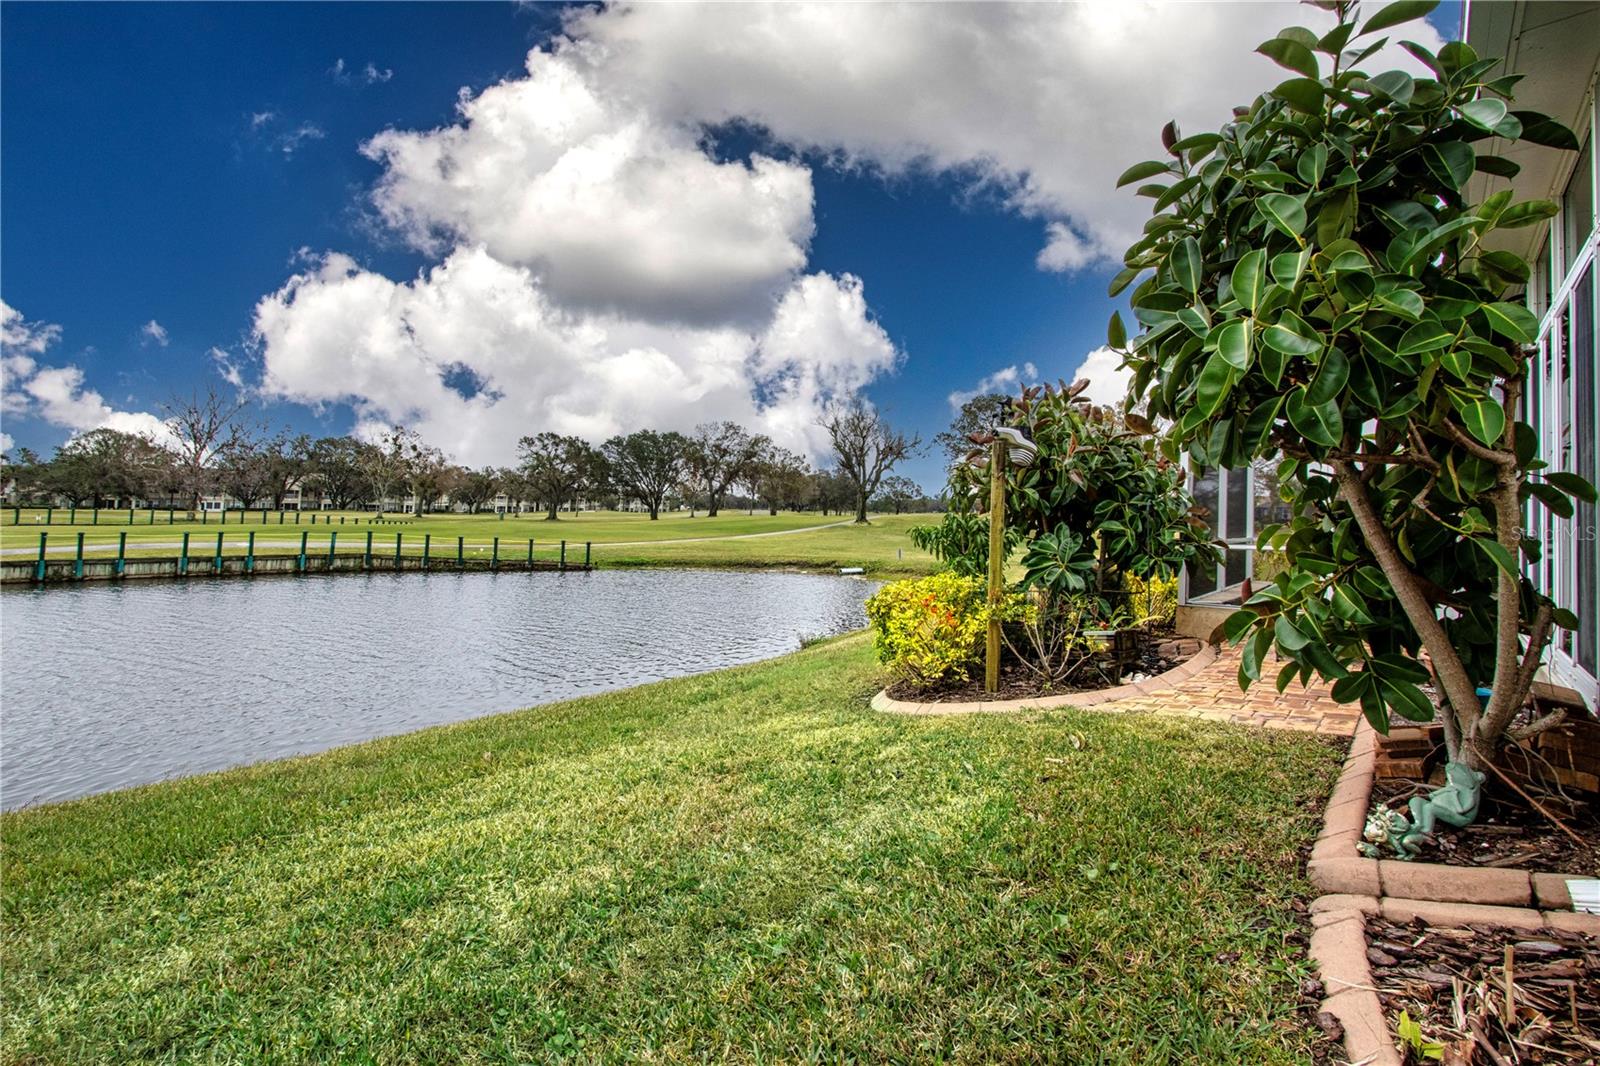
(1455, 803)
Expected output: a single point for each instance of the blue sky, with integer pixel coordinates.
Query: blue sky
(169, 163)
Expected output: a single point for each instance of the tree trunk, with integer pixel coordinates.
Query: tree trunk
(655, 511)
(550, 512)
(861, 508)
(772, 509)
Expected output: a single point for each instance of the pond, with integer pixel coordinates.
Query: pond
(104, 686)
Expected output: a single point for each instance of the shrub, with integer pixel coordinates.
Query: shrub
(1154, 600)
(930, 629)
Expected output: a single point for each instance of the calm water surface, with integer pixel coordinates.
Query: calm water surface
(104, 686)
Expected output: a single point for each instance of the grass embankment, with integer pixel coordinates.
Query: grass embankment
(747, 865)
(619, 539)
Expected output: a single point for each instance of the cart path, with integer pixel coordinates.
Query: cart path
(199, 542)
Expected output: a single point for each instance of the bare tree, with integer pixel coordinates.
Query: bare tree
(384, 465)
(200, 426)
(867, 448)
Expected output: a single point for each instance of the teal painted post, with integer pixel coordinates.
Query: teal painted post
(494, 555)
(461, 554)
(587, 547)
(183, 556)
(427, 542)
(303, 535)
(216, 560)
(333, 540)
(122, 553)
(38, 569)
(250, 553)
(49, 515)
(397, 551)
(366, 561)
(563, 555)
(72, 515)
(530, 555)
(77, 561)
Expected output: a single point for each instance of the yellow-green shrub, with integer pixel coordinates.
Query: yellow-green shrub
(1153, 600)
(930, 629)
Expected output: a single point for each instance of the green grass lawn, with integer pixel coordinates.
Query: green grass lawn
(748, 865)
(619, 539)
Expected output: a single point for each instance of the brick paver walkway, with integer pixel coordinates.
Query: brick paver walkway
(1205, 687)
(1213, 694)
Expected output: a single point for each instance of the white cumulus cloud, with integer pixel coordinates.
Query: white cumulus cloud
(1005, 380)
(154, 332)
(1048, 103)
(56, 394)
(1108, 379)
(397, 352)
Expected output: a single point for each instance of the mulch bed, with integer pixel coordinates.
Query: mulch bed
(1017, 682)
(1509, 833)
(1454, 983)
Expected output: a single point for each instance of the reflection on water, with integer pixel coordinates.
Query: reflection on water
(104, 686)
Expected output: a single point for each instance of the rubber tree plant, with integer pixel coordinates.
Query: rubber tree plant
(1314, 288)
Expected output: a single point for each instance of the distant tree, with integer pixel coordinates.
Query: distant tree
(755, 470)
(101, 464)
(427, 473)
(866, 447)
(200, 425)
(476, 488)
(514, 483)
(555, 466)
(978, 415)
(719, 453)
(23, 475)
(288, 461)
(831, 491)
(337, 466)
(384, 464)
(784, 480)
(899, 493)
(646, 464)
(244, 467)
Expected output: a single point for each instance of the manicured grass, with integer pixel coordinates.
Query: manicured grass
(748, 865)
(618, 539)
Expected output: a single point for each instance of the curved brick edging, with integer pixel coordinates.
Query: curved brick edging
(1401, 891)
(1335, 866)
(1182, 672)
(1339, 949)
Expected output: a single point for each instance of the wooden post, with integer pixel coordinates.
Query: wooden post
(333, 549)
(427, 544)
(122, 553)
(997, 562)
(183, 554)
(250, 553)
(38, 570)
(397, 551)
(77, 562)
(587, 547)
(366, 560)
(216, 560)
(494, 555)
(563, 555)
(530, 555)
(460, 552)
(304, 533)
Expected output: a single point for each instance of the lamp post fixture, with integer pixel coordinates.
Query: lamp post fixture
(1009, 447)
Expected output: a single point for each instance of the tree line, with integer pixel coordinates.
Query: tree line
(215, 448)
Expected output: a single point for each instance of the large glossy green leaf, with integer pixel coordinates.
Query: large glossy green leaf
(1233, 343)
(1513, 321)
(1397, 85)
(1496, 551)
(1288, 635)
(1332, 374)
(1398, 12)
(1186, 263)
(1291, 55)
(1451, 162)
(1283, 339)
(1348, 604)
(1484, 419)
(1250, 278)
(1406, 699)
(1485, 113)
(1424, 337)
(1140, 171)
(1286, 212)
(1116, 332)
(1526, 213)
(1542, 129)
(1572, 485)
(1302, 94)
(1318, 423)
(1213, 385)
